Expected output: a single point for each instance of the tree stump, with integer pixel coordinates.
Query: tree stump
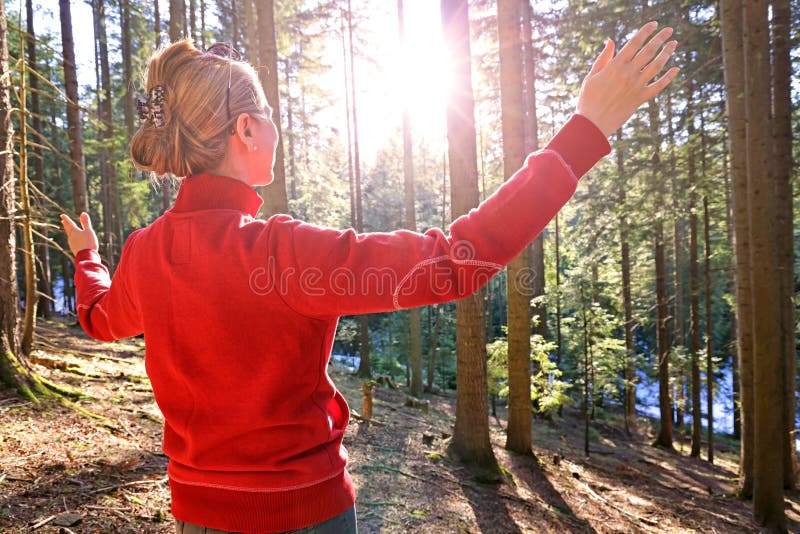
(366, 392)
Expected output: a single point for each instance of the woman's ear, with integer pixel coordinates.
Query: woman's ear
(243, 126)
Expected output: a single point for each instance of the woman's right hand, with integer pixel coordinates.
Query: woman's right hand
(77, 237)
(617, 85)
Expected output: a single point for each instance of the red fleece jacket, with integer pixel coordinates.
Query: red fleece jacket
(239, 316)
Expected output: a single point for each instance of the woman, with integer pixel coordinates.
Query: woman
(239, 314)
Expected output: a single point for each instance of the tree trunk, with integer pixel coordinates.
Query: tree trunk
(68, 293)
(290, 129)
(9, 296)
(677, 240)
(203, 23)
(694, 281)
(193, 20)
(177, 11)
(737, 418)
(274, 194)
(768, 360)
(558, 297)
(432, 354)
(629, 369)
(709, 335)
(365, 367)
(26, 227)
(12, 373)
(111, 211)
(127, 66)
(250, 22)
(176, 32)
(709, 295)
(471, 435)
(411, 223)
(518, 432)
(235, 37)
(42, 251)
(531, 145)
(351, 178)
(664, 438)
(157, 22)
(733, 57)
(77, 164)
(784, 221)
(585, 407)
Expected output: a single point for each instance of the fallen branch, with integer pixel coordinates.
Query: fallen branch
(128, 484)
(631, 516)
(43, 522)
(415, 477)
(84, 354)
(355, 415)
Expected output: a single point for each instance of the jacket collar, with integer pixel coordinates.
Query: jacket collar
(208, 191)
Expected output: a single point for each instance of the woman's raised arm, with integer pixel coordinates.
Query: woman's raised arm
(327, 272)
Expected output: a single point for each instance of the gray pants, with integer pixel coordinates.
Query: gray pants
(344, 523)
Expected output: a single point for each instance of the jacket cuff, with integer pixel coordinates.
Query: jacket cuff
(581, 144)
(88, 254)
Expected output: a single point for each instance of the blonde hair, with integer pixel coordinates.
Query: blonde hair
(193, 137)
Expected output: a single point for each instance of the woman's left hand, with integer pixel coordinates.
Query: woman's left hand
(618, 85)
(79, 238)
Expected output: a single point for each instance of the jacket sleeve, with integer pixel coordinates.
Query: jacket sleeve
(322, 272)
(106, 309)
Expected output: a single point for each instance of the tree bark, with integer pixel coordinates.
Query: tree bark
(519, 294)
(111, 211)
(709, 335)
(411, 224)
(664, 438)
(235, 24)
(784, 221)
(45, 306)
(532, 145)
(694, 280)
(193, 20)
(768, 360)
(157, 22)
(351, 178)
(434, 343)
(9, 296)
(26, 223)
(733, 58)
(127, 66)
(708, 293)
(177, 11)
(177, 31)
(80, 196)
(586, 358)
(250, 22)
(735, 397)
(629, 369)
(274, 194)
(471, 435)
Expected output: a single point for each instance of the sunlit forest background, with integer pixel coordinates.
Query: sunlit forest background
(636, 303)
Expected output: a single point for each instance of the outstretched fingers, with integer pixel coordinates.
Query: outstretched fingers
(654, 67)
(649, 51)
(657, 86)
(86, 221)
(603, 59)
(631, 47)
(69, 224)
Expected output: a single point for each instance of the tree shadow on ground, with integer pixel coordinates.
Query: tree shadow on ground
(490, 508)
(55, 487)
(528, 470)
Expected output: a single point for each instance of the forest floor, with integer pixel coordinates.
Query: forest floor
(61, 471)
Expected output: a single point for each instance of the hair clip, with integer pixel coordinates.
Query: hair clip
(151, 110)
